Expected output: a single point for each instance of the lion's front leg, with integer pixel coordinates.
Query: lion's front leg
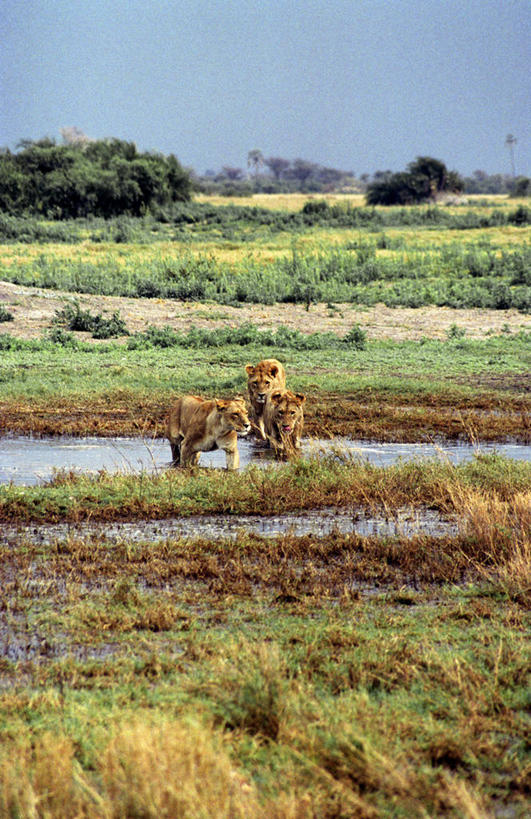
(257, 426)
(233, 457)
(175, 452)
(189, 455)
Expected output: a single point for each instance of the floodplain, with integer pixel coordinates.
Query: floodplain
(194, 672)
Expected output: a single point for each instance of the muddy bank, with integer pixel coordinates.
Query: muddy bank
(29, 461)
(378, 417)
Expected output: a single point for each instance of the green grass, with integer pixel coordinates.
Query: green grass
(304, 484)
(43, 368)
(456, 275)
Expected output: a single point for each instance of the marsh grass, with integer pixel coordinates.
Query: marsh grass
(302, 484)
(378, 390)
(268, 708)
(282, 678)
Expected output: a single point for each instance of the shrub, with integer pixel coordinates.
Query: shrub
(60, 337)
(74, 318)
(520, 216)
(356, 338)
(455, 332)
(5, 315)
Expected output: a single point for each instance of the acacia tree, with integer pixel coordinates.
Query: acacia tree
(277, 165)
(424, 178)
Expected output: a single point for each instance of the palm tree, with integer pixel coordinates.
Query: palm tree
(255, 160)
(511, 141)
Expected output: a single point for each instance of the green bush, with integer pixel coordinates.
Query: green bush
(74, 318)
(356, 338)
(62, 338)
(246, 334)
(5, 315)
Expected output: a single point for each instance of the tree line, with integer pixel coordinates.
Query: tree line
(275, 174)
(110, 177)
(88, 178)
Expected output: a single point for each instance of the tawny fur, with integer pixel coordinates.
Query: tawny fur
(199, 425)
(262, 378)
(284, 421)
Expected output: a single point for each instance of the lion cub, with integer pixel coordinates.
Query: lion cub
(198, 425)
(267, 375)
(284, 420)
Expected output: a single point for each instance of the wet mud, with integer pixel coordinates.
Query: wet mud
(378, 416)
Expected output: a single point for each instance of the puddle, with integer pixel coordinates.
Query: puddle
(319, 522)
(26, 460)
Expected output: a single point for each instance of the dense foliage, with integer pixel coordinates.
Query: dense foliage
(423, 180)
(100, 178)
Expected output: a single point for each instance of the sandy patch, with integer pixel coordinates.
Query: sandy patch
(34, 309)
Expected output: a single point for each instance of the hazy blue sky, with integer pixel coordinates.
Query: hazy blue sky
(361, 85)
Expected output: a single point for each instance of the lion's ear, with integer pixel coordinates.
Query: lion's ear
(221, 404)
(274, 370)
(249, 369)
(276, 395)
(300, 397)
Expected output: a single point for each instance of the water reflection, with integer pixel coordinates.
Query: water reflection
(27, 460)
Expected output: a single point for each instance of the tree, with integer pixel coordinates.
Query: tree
(511, 141)
(74, 136)
(423, 180)
(255, 160)
(302, 170)
(101, 178)
(277, 165)
(234, 174)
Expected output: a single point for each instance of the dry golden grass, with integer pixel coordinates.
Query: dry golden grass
(178, 770)
(499, 534)
(283, 201)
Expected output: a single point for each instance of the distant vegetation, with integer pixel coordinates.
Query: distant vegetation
(90, 178)
(275, 174)
(185, 221)
(483, 183)
(425, 179)
(110, 177)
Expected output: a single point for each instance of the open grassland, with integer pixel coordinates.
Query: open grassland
(321, 267)
(288, 677)
(330, 677)
(478, 257)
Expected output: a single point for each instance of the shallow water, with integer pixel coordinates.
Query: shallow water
(27, 460)
(406, 522)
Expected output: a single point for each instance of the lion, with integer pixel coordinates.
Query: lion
(267, 375)
(284, 420)
(199, 425)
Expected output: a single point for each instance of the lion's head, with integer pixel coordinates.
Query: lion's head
(286, 410)
(263, 377)
(233, 414)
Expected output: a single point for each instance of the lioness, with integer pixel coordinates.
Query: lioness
(267, 375)
(197, 425)
(284, 420)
